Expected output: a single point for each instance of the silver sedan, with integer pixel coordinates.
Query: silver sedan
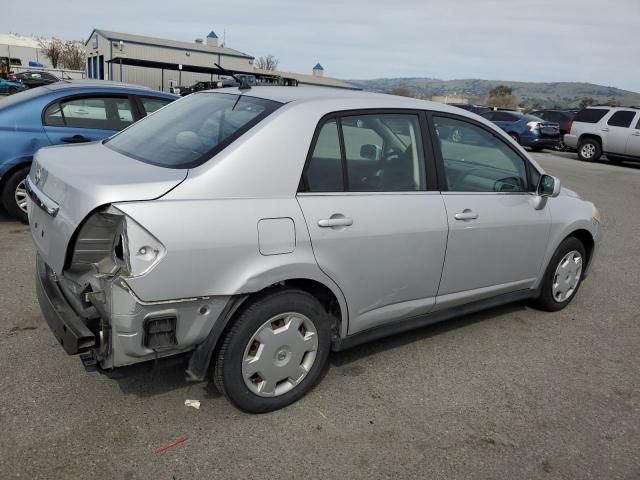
(254, 231)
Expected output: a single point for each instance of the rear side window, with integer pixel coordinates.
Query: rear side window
(109, 113)
(590, 115)
(192, 130)
(324, 171)
(150, 105)
(504, 117)
(621, 119)
(379, 153)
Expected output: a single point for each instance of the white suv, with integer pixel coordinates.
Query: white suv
(614, 131)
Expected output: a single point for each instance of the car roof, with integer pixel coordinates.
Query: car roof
(339, 99)
(92, 83)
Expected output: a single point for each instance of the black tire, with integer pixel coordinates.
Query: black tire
(12, 90)
(9, 194)
(227, 371)
(515, 137)
(536, 149)
(546, 300)
(589, 149)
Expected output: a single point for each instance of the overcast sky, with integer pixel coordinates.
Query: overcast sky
(528, 40)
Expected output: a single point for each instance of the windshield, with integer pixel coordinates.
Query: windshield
(190, 131)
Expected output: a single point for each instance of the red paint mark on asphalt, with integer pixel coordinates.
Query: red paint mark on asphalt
(180, 441)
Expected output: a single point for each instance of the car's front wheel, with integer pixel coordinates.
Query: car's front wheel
(589, 150)
(274, 352)
(563, 276)
(14, 195)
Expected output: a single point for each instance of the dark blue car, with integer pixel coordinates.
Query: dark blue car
(527, 130)
(65, 112)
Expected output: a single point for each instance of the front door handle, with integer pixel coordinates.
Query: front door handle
(466, 214)
(636, 133)
(75, 139)
(335, 222)
(605, 129)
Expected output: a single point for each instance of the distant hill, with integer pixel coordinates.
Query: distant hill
(530, 94)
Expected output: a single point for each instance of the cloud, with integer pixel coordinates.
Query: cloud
(541, 40)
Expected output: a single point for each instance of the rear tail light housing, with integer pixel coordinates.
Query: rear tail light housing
(569, 126)
(533, 126)
(110, 242)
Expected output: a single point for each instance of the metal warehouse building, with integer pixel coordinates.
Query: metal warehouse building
(160, 63)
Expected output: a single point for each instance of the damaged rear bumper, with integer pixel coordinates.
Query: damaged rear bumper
(68, 328)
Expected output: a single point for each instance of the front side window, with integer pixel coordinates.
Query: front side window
(475, 160)
(190, 131)
(622, 119)
(380, 153)
(109, 113)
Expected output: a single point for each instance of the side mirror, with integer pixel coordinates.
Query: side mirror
(548, 186)
(368, 151)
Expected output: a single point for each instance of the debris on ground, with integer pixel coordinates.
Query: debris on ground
(192, 403)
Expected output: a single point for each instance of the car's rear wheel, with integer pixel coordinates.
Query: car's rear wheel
(589, 150)
(12, 90)
(274, 352)
(536, 149)
(14, 195)
(563, 276)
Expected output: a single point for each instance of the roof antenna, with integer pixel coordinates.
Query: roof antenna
(242, 81)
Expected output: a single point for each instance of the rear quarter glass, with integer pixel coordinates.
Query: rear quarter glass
(590, 115)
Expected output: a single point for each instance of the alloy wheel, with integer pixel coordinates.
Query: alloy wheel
(21, 196)
(588, 150)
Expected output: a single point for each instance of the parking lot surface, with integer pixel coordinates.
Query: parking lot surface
(508, 393)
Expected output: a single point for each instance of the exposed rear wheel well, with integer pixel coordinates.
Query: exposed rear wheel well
(324, 295)
(587, 240)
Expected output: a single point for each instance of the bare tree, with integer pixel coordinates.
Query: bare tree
(73, 55)
(52, 48)
(267, 63)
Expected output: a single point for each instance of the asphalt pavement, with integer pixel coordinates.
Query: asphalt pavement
(510, 393)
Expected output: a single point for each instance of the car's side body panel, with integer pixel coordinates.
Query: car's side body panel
(388, 262)
(218, 250)
(503, 246)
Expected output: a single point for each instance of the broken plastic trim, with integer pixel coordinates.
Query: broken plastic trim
(126, 287)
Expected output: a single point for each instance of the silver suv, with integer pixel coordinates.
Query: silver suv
(613, 131)
(254, 231)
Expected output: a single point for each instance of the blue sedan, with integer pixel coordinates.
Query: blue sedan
(9, 87)
(63, 112)
(527, 130)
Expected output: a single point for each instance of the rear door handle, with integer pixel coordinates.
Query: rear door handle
(466, 215)
(335, 222)
(636, 133)
(75, 139)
